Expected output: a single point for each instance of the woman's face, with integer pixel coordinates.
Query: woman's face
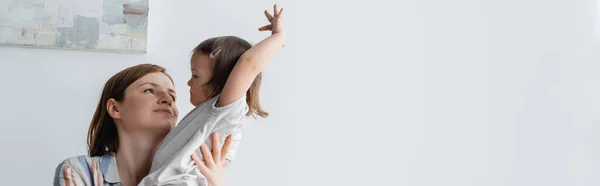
(149, 105)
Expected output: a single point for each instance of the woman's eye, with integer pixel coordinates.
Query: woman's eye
(149, 91)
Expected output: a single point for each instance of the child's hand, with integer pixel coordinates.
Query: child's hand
(276, 25)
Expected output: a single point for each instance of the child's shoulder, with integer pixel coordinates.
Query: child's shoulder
(211, 103)
(236, 109)
(239, 103)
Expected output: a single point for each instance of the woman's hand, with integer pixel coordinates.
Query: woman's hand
(214, 164)
(276, 25)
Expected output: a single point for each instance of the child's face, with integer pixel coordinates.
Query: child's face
(201, 74)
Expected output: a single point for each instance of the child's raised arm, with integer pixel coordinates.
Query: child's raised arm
(254, 61)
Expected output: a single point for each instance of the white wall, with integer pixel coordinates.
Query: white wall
(420, 93)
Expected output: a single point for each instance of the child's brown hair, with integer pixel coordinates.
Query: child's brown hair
(225, 51)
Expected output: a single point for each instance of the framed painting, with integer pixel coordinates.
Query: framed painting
(98, 25)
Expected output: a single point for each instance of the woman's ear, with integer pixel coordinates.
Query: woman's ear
(112, 107)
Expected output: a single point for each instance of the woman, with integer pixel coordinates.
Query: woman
(136, 111)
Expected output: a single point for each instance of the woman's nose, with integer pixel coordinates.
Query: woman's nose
(165, 98)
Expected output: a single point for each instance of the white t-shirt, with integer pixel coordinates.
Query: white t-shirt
(172, 163)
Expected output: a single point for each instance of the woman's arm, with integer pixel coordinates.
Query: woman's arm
(254, 61)
(214, 164)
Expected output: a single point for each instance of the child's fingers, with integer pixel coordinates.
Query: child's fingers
(265, 28)
(279, 14)
(275, 11)
(208, 159)
(199, 164)
(269, 16)
(226, 148)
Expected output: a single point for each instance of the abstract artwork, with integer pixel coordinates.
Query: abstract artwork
(100, 25)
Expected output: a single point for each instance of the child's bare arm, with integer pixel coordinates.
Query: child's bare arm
(254, 61)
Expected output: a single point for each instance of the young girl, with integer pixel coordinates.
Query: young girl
(226, 75)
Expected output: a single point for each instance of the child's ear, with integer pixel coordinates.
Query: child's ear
(112, 107)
